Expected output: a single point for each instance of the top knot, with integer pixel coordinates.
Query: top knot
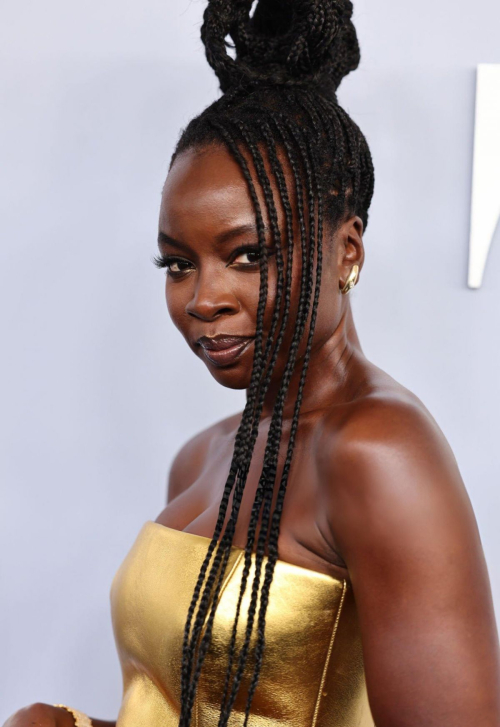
(284, 42)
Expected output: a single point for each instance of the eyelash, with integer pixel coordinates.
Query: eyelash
(163, 261)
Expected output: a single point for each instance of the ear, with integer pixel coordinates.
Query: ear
(350, 248)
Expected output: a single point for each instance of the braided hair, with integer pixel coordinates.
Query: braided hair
(279, 95)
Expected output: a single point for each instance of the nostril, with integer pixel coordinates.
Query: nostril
(207, 309)
(209, 313)
(227, 311)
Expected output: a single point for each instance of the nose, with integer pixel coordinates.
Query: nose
(211, 299)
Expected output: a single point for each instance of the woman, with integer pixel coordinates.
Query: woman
(362, 597)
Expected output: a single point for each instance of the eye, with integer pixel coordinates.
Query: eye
(252, 256)
(175, 266)
(249, 255)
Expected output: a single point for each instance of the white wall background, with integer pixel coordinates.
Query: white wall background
(98, 389)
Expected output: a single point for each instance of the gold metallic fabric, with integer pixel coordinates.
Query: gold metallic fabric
(312, 671)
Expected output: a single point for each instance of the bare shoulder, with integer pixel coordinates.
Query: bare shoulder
(189, 460)
(382, 454)
(386, 427)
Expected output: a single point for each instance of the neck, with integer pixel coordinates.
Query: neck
(333, 368)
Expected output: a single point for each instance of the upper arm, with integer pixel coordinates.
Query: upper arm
(403, 521)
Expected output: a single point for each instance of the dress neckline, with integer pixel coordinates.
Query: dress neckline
(301, 570)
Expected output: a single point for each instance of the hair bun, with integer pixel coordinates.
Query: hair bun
(290, 42)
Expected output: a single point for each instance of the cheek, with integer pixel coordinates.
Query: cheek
(272, 281)
(176, 300)
(248, 296)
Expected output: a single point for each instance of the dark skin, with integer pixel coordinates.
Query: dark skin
(374, 493)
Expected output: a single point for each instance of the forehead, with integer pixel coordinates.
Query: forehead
(206, 189)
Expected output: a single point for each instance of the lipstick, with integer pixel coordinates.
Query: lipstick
(222, 350)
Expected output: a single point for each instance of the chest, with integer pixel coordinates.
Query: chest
(305, 536)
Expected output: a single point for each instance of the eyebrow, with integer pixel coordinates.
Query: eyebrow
(237, 231)
(223, 237)
(164, 239)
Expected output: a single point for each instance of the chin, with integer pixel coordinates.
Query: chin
(232, 377)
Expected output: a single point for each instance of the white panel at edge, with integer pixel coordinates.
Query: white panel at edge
(485, 211)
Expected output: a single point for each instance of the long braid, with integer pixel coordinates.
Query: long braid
(260, 552)
(265, 185)
(270, 447)
(202, 650)
(284, 138)
(239, 460)
(266, 485)
(276, 516)
(284, 197)
(238, 491)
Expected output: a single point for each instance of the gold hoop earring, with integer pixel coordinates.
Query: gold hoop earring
(351, 280)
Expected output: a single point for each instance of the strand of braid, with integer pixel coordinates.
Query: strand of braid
(270, 204)
(237, 496)
(238, 491)
(212, 588)
(290, 367)
(283, 195)
(265, 485)
(276, 515)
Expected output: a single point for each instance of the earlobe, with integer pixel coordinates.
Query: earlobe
(351, 281)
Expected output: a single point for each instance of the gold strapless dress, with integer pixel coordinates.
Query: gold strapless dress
(312, 673)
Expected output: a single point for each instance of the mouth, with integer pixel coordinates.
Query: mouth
(224, 350)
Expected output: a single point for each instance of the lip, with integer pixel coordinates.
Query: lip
(224, 350)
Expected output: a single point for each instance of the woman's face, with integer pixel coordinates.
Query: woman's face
(208, 236)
